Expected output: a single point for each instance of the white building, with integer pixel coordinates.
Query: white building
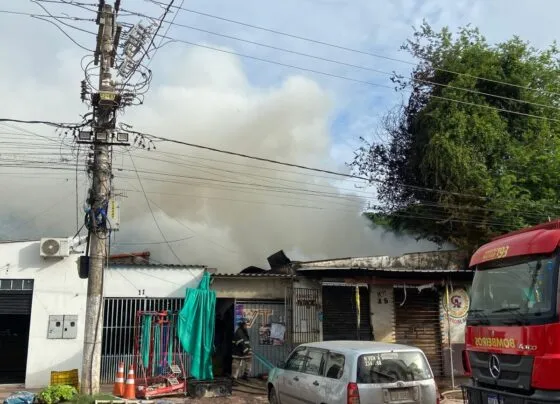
(43, 301)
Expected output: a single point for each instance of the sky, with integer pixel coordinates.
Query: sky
(199, 207)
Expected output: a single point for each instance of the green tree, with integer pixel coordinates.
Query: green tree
(474, 152)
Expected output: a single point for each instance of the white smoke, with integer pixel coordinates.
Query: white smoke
(236, 211)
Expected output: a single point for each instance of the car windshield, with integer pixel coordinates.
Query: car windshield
(517, 291)
(390, 367)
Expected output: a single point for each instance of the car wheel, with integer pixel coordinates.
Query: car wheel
(272, 399)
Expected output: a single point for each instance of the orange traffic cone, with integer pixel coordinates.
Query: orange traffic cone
(118, 388)
(130, 388)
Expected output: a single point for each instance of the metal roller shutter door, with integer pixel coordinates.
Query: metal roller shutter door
(339, 314)
(15, 302)
(417, 323)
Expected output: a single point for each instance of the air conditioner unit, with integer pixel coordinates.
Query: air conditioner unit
(55, 247)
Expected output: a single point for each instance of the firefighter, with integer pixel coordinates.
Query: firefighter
(242, 354)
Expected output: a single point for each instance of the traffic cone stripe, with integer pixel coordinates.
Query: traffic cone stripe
(130, 389)
(118, 387)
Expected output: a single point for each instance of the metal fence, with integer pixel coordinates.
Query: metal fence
(303, 307)
(118, 331)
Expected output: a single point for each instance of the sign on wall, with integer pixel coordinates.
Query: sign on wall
(458, 308)
(269, 332)
(459, 303)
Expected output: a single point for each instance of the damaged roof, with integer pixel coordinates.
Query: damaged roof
(434, 261)
(267, 274)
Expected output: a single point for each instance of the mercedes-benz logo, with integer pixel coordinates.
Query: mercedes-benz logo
(494, 367)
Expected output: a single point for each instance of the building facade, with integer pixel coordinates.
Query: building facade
(418, 299)
(43, 303)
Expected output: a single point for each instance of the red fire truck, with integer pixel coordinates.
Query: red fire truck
(513, 326)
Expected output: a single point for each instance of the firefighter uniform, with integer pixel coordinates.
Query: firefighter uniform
(242, 354)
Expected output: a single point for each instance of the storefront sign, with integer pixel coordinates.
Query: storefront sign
(458, 305)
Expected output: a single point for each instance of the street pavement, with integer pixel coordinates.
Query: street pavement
(236, 398)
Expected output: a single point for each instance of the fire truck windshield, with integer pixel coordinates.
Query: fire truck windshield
(522, 292)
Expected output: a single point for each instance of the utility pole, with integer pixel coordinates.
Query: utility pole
(105, 105)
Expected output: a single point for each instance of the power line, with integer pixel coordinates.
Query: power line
(154, 243)
(282, 163)
(468, 90)
(49, 123)
(319, 42)
(369, 83)
(152, 212)
(58, 17)
(359, 67)
(231, 153)
(38, 165)
(60, 28)
(160, 23)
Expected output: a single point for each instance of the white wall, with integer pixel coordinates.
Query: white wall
(150, 281)
(247, 287)
(57, 291)
(381, 302)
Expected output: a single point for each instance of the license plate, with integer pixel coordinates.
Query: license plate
(400, 395)
(493, 399)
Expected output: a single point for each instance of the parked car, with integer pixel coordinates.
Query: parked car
(353, 372)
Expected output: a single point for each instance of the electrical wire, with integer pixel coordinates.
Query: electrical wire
(375, 55)
(152, 213)
(49, 123)
(155, 243)
(283, 189)
(160, 23)
(65, 33)
(392, 74)
(369, 83)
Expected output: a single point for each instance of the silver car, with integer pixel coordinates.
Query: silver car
(353, 372)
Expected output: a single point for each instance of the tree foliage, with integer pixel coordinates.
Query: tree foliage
(474, 152)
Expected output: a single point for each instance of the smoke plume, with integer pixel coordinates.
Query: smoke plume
(239, 211)
(218, 210)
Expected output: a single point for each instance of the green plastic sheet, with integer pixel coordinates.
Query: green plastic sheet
(156, 360)
(196, 328)
(171, 338)
(145, 341)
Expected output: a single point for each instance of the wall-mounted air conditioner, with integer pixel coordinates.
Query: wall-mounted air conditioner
(55, 247)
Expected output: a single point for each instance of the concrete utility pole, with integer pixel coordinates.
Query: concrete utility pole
(103, 128)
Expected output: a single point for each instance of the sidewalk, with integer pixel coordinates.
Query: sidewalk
(237, 397)
(454, 395)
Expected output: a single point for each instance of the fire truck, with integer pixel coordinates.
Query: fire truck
(512, 351)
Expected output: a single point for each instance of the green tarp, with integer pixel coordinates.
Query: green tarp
(196, 328)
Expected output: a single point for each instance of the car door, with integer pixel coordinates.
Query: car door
(289, 381)
(312, 380)
(337, 373)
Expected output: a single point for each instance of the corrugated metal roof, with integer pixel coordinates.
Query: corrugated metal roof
(411, 270)
(434, 261)
(265, 275)
(155, 266)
